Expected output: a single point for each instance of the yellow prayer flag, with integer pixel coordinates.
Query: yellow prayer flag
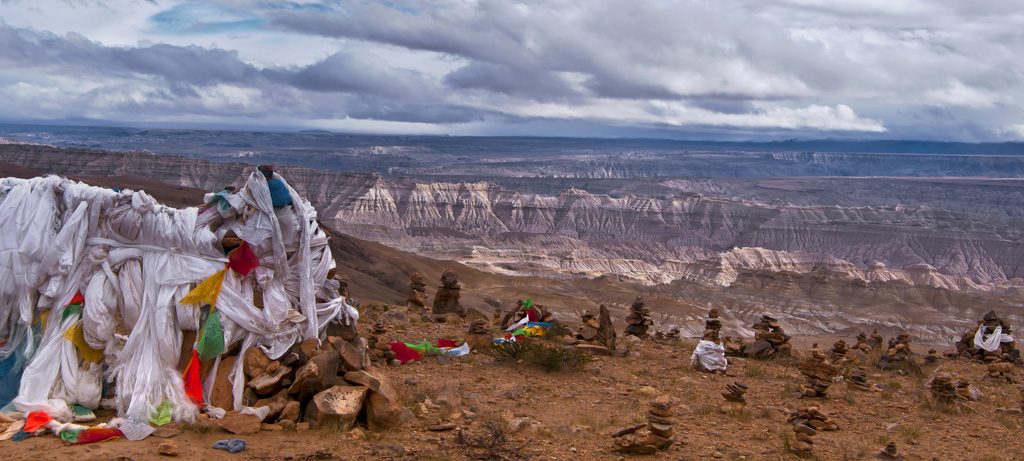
(77, 337)
(207, 292)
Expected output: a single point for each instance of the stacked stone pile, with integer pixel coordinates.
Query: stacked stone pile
(862, 343)
(944, 389)
(379, 344)
(770, 340)
(839, 349)
(734, 392)
(417, 295)
(819, 376)
(446, 300)
(330, 383)
(876, 340)
(479, 337)
(639, 318)
(932, 357)
(518, 312)
(1001, 371)
(890, 453)
(899, 355)
(1007, 351)
(655, 435)
(588, 326)
(806, 424)
(859, 380)
(733, 347)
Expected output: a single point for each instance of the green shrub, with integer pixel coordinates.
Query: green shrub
(547, 357)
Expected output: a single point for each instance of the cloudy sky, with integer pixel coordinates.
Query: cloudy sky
(714, 69)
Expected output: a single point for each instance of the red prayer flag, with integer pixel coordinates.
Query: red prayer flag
(78, 299)
(193, 385)
(404, 354)
(242, 260)
(446, 343)
(531, 315)
(35, 420)
(96, 434)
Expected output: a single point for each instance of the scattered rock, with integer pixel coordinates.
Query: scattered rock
(338, 406)
(167, 448)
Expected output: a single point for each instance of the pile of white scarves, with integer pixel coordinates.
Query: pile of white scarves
(133, 258)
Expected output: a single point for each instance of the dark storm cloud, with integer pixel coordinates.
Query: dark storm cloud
(499, 78)
(358, 73)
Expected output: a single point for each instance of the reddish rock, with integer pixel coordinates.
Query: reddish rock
(337, 406)
(254, 362)
(351, 358)
(383, 409)
(221, 396)
(239, 424)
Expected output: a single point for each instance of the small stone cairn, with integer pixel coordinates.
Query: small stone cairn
(446, 300)
(655, 435)
(819, 375)
(1007, 352)
(889, 453)
(859, 380)
(899, 355)
(733, 347)
(639, 318)
(862, 343)
(478, 337)
(770, 340)
(876, 340)
(588, 328)
(379, 345)
(947, 389)
(806, 424)
(734, 392)
(417, 295)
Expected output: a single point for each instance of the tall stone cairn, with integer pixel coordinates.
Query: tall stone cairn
(806, 424)
(446, 300)
(417, 295)
(379, 345)
(712, 326)
(606, 330)
(655, 435)
(818, 373)
(639, 318)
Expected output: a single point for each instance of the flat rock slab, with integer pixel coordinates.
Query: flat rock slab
(239, 424)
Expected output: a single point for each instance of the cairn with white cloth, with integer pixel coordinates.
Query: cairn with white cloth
(991, 342)
(709, 355)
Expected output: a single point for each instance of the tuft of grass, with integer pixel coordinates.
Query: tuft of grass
(557, 331)
(912, 432)
(754, 370)
(894, 384)
(197, 428)
(765, 413)
(548, 358)
(849, 397)
(704, 410)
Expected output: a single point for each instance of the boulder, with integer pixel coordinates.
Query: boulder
(254, 362)
(383, 409)
(351, 358)
(275, 403)
(363, 378)
(338, 406)
(290, 412)
(269, 382)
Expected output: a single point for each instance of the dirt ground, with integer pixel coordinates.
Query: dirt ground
(576, 412)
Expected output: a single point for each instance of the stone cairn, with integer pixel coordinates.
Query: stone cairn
(839, 349)
(598, 334)
(639, 318)
(379, 344)
(862, 343)
(1007, 352)
(932, 357)
(712, 326)
(655, 435)
(446, 300)
(806, 424)
(770, 340)
(859, 380)
(518, 312)
(1001, 371)
(734, 392)
(733, 347)
(876, 340)
(889, 453)
(899, 355)
(946, 390)
(819, 375)
(417, 295)
(478, 337)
